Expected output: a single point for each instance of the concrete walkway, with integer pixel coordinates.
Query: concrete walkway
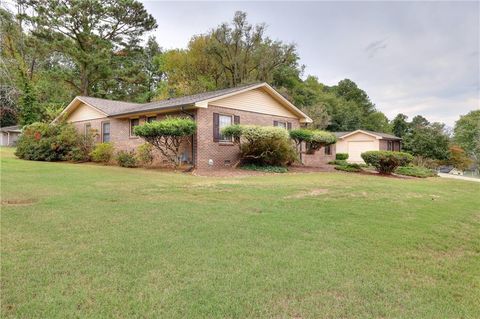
(470, 179)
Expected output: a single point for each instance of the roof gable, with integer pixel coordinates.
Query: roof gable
(377, 135)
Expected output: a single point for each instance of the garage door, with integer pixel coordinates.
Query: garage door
(356, 148)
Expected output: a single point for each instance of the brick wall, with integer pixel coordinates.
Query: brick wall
(121, 139)
(384, 145)
(225, 154)
(205, 149)
(319, 158)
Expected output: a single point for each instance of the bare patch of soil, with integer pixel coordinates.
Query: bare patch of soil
(18, 202)
(313, 192)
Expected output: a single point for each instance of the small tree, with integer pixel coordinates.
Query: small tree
(313, 139)
(385, 162)
(168, 135)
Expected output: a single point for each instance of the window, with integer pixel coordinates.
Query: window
(280, 124)
(390, 145)
(328, 150)
(133, 123)
(150, 119)
(224, 121)
(105, 132)
(88, 128)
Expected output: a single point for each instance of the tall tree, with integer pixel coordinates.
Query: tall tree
(349, 90)
(467, 134)
(88, 32)
(430, 141)
(400, 125)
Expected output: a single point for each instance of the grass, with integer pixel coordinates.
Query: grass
(82, 240)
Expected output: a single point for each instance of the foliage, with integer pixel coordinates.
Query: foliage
(263, 145)
(145, 154)
(467, 134)
(9, 110)
(458, 158)
(416, 171)
(400, 126)
(88, 34)
(385, 162)
(349, 168)
(313, 139)
(425, 162)
(102, 153)
(341, 156)
(126, 158)
(427, 140)
(48, 142)
(168, 135)
(338, 162)
(265, 168)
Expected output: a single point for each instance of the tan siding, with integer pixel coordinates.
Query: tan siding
(84, 113)
(255, 101)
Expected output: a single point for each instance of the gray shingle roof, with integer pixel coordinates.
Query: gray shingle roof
(108, 107)
(14, 128)
(120, 108)
(382, 135)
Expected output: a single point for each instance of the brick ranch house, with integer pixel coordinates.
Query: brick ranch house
(255, 104)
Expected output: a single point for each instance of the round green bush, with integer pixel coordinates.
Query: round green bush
(102, 153)
(385, 162)
(341, 156)
(126, 159)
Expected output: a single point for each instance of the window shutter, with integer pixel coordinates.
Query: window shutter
(275, 123)
(289, 126)
(236, 119)
(216, 130)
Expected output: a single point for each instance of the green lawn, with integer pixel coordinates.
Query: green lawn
(80, 240)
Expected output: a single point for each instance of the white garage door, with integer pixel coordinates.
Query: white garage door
(356, 148)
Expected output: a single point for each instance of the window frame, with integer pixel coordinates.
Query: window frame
(88, 127)
(154, 117)
(282, 124)
(390, 146)
(328, 150)
(132, 134)
(109, 132)
(220, 137)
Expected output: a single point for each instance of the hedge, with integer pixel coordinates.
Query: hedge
(385, 162)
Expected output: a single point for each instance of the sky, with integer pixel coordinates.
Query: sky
(410, 57)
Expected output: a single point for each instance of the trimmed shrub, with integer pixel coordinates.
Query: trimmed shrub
(102, 153)
(338, 162)
(145, 154)
(262, 145)
(168, 135)
(314, 139)
(126, 159)
(416, 171)
(50, 142)
(267, 168)
(385, 162)
(349, 168)
(341, 156)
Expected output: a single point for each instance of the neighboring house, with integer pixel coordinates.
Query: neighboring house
(356, 142)
(256, 104)
(10, 135)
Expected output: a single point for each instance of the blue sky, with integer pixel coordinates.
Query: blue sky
(410, 57)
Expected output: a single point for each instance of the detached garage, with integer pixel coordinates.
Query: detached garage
(10, 135)
(356, 142)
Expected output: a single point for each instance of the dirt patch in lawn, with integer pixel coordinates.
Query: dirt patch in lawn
(18, 202)
(313, 192)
